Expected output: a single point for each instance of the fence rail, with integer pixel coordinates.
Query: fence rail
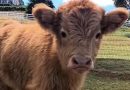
(17, 15)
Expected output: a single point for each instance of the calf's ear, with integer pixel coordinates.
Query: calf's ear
(44, 15)
(113, 20)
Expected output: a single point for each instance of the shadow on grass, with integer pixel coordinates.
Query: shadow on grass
(112, 68)
(127, 35)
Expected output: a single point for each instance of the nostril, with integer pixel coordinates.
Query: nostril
(74, 61)
(81, 61)
(88, 62)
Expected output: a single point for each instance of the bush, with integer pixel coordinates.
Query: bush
(4, 4)
(12, 8)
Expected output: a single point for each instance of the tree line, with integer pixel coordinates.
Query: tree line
(122, 3)
(28, 8)
(33, 2)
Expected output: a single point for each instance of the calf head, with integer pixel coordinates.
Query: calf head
(79, 27)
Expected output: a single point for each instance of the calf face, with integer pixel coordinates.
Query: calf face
(79, 28)
(80, 33)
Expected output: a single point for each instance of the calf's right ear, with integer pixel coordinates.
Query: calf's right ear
(113, 20)
(44, 15)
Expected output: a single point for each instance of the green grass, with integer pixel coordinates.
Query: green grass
(116, 45)
(105, 83)
(112, 69)
(119, 65)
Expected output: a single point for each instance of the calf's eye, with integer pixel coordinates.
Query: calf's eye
(98, 35)
(63, 34)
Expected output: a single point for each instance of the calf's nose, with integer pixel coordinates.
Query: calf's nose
(81, 61)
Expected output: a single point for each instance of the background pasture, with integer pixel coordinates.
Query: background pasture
(112, 70)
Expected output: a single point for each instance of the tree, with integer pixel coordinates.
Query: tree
(30, 6)
(122, 3)
(33, 2)
(48, 2)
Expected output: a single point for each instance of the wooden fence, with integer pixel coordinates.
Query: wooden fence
(17, 15)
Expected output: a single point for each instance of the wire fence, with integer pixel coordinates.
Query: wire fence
(115, 46)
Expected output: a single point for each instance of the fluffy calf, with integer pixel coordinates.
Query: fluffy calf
(57, 52)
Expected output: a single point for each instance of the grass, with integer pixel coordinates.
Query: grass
(112, 69)
(109, 74)
(119, 65)
(116, 45)
(105, 83)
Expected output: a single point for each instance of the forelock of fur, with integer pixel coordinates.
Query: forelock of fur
(66, 8)
(81, 16)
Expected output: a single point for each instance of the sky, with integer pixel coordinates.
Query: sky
(106, 4)
(25, 1)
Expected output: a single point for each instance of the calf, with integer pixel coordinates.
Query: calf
(57, 52)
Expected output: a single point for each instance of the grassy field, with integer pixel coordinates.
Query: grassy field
(112, 69)
(95, 82)
(116, 45)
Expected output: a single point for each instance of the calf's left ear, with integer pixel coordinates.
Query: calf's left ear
(114, 20)
(44, 15)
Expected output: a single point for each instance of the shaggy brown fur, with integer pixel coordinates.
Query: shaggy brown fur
(38, 56)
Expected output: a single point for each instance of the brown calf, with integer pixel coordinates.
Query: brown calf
(57, 52)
